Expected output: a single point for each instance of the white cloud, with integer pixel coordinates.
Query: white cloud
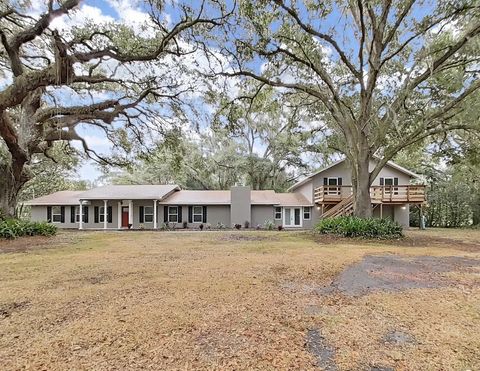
(79, 17)
(133, 16)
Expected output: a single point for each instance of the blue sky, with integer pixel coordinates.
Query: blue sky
(131, 12)
(125, 11)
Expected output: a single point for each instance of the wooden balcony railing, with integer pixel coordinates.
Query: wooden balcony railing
(379, 194)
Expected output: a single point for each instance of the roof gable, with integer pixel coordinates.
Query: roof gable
(389, 163)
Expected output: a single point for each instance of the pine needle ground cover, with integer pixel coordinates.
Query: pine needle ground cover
(240, 300)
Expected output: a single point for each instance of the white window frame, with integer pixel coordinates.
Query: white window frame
(145, 214)
(59, 214)
(330, 191)
(194, 214)
(101, 214)
(336, 180)
(175, 214)
(309, 208)
(277, 213)
(392, 187)
(391, 178)
(292, 210)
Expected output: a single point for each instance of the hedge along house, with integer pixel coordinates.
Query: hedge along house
(150, 206)
(326, 193)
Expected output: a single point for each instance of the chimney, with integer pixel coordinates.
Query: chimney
(240, 205)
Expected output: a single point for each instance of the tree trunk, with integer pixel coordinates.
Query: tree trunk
(476, 211)
(362, 203)
(13, 179)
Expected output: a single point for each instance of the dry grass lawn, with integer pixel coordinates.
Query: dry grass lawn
(231, 300)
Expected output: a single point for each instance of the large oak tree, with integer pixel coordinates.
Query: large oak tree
(382, 75)
(106, 76)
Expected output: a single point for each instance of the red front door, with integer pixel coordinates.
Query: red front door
(125, 217)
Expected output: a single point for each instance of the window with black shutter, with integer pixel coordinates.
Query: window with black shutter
(109, 214)
(56, 214)
(140, 214)
(85, 214)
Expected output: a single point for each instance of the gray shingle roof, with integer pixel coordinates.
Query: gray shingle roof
(129, 192)
(187, 197)
(57, 198)
(291, 199)
(267, 197)
(168, 194)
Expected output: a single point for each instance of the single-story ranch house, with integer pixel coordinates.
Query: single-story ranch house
(326, 193)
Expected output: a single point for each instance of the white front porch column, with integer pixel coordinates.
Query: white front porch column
(155, 214)
(105, 214)
(80, 223)
(130, 212)
(119, 215)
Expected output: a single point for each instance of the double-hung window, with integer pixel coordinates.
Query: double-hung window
(390, 184)
(56, 214)
(101, 212)
(278, 213)
(334, 185)
(148, 214)
(77, 214)
(173, 214)
(307, 212)
(197, 214)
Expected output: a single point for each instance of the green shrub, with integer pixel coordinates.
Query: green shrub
(44, 229)
(351, 226)
(13, 228)
(269, 225)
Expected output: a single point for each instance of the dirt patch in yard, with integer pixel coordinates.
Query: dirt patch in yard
(246, 237)
(395, 273)
(442, 242)
(323, 352)
(412, 239)
(6, 310)
(25, 244)
(399, 338)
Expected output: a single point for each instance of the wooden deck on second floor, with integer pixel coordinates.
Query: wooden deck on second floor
(398, 194)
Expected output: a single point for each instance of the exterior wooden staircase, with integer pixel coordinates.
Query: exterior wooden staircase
(343, 208)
